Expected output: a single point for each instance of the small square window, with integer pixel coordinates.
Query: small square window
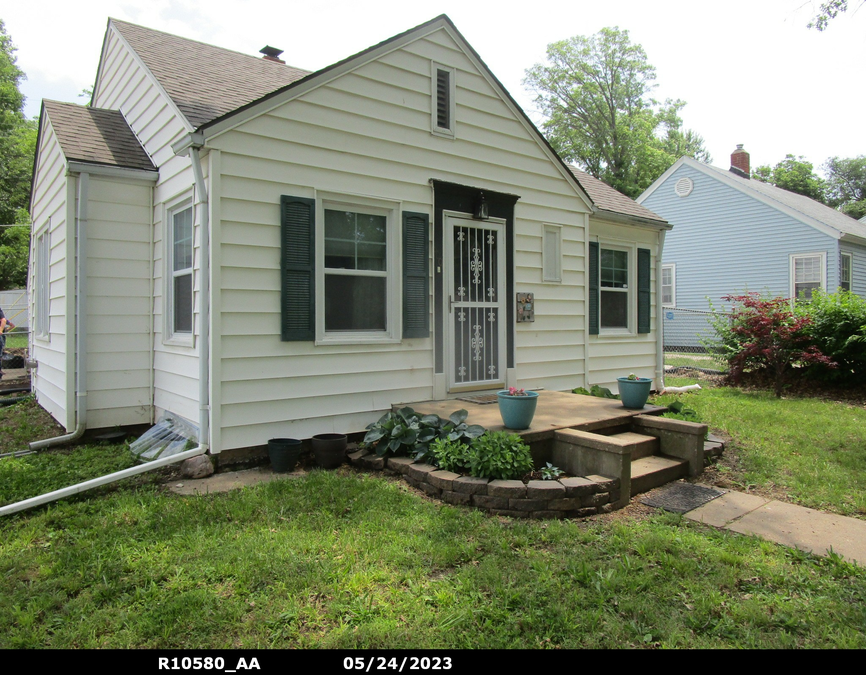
(807, 274)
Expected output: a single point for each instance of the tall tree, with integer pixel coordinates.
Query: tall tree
(595, 94)
(17, 148)
(846, 185)
(794, 174)
(829, 10)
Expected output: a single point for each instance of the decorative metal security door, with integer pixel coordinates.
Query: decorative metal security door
(475, 252)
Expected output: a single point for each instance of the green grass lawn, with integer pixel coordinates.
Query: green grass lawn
(354, 560)
(811, 449)
(16, 340)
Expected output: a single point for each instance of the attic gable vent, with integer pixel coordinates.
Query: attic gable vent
(442, 104)
(684, 187)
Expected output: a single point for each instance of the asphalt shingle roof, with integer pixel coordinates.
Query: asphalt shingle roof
(608, 199)
(805, 205)
(96, 136)
(205, 82)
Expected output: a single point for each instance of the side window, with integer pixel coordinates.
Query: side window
(808, 272)
(179, 272)
(669, 286)
(43, 282)
(845, 271)
(613, 282)
(443, 91)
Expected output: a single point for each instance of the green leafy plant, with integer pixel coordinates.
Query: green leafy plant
(449, 455)
(498, 454)
(404, 432)
(678, 411)
(551, 472)
(597, 391)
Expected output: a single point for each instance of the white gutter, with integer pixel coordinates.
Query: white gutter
(80, 322)
(660, 319)
(97, 482)
(204, 329)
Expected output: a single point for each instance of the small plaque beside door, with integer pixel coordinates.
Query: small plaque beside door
(525, 308)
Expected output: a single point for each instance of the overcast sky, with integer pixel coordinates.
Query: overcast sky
(750, 70)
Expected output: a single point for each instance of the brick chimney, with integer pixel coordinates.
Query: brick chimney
(273, 54)
(740, 162)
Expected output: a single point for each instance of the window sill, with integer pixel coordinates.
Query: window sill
(180, 341)
(615, 333)
(357, 340)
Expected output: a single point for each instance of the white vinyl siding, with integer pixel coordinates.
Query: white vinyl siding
(368, 133)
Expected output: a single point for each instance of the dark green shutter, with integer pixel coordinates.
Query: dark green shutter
(643, 290)
(592, 315)
(298, 268)
(416, 275)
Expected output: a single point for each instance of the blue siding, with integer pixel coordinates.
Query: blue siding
(725, 242)
(858, 271)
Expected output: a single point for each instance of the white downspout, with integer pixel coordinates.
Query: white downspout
(660, 319)
(80, 322)
(204, 330)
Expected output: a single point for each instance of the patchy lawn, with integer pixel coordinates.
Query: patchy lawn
(350, 560)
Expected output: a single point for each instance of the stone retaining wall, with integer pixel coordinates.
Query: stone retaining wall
(563, 498)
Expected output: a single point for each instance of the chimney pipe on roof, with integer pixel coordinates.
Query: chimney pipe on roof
(271, 54)
(740, 162)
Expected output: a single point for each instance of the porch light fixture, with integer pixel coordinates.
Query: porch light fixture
(480, 211)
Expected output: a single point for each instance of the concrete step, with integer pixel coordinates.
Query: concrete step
(643, 445)
(651, 472)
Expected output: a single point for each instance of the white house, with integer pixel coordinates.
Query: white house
(271, 252)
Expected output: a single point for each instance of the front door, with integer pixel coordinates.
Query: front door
(476, 318)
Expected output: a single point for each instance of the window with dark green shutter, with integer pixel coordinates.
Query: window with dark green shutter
(416, 275)
(644, 295)
(298, 268)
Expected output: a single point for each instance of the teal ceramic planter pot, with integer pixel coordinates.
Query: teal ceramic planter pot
(517, 411)
(634, 393)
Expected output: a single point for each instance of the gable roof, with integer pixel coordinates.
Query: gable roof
(96, 136)
(608, 199)
(204, 81)
(797, 206)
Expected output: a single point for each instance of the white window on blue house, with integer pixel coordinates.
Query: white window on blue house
(669, 285)
(808, 272)
(846, 265)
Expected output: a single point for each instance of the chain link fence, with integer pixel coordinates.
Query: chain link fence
(687, 335)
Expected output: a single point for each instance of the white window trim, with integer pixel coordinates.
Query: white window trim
(850, 257)
(631, 301)
(435, 129)
(393, 285)
(169, 336)
(673, 268)
(43, 283)
(797, 256)
(551, 270)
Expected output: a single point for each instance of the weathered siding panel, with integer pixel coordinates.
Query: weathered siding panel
(382, 149)
(726, 242)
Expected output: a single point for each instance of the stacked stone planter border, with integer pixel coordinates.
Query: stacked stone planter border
(565, 498)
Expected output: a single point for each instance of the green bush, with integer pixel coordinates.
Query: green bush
(449, 455)
(838, 330)
(498, 454)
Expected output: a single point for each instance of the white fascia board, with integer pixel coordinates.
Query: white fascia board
(852, 239)
(661, 179)
(634, 221)
(767, 201)
(74, 167)
(152, 77)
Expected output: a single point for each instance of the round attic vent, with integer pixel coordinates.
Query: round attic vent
(684, 187)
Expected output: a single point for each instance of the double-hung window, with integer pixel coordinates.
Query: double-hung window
(356, 270)
(614, 301)
(669, 283)
(43, 280)
(179, 306)
(808, 272)
(846, 265)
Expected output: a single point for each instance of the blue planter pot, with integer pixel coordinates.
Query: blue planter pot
(634, 393)
(517, 411)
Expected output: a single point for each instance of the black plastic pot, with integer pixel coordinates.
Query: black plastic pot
(284, 453)
(329, 450)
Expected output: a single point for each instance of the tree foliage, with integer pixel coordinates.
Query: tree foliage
(827, 11)
(846, 185)
(595, 94)
(795, 174)
(17, 148)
